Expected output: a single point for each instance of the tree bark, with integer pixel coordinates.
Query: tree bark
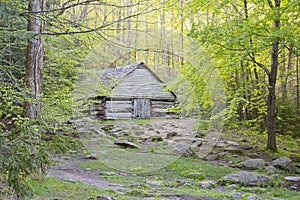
(271, 112)
(298, 85)
(34, 60)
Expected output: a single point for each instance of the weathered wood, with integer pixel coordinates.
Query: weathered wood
(118, 109)
(141, 83)
(118, 115)
(97, 107)
(118, 106)
(113, 102)
(93, 113)
(162, 103)
(138, 95)
(159, 110)
(141, 108)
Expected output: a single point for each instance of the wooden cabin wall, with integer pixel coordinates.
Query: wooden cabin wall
(160, 108)
(124, 109)
(97, 109)
(118, 109)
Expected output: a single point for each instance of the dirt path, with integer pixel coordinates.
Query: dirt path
(67, 170)
(150, 147)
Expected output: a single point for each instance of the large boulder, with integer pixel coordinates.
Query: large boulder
(293, 182)
(283, 163)
(247, 179)
(253, 164)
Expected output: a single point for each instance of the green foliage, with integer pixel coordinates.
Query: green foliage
(53, 188)
(288, 119)
(23, 154)
(193, 175)
(240, 41)
(192, 91)
(64, 56)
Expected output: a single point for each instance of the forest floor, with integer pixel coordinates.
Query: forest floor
(159, 159)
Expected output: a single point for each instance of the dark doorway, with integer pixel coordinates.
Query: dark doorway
(141, 108)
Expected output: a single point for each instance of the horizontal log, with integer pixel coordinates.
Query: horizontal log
(118, 106)
(93, 113)
(97, 108)
(160, 106)
(118, 109)
(118, 115)
(159, 110)
(112, 102)
(162, 103)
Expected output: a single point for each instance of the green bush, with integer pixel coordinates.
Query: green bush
(23, 154)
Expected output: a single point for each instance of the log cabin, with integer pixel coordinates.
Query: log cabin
(136, 92)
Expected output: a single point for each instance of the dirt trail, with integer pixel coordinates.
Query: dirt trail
(67, 170)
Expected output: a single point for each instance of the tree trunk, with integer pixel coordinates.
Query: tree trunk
(34, 60)
(271, 112)
(298, 86)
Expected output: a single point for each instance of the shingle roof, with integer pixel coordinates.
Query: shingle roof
(111, 76)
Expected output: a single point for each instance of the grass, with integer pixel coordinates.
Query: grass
(136, 187)
(178, 168)
(57, 189)
(287, 144)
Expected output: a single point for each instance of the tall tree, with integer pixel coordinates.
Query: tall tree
(254, 37)
(34, 59)
(272, 76)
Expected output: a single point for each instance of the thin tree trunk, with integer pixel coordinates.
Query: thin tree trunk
(284, 78)
(271, 112)
(298, 86)
(245, 80)
(181, 32)
(34, 60)
(290, 85)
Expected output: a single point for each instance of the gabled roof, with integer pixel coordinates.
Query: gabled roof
(115, 74)
(112, 76)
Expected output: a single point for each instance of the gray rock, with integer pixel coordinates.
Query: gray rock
(171, 135)
(189, 153)
(82, 130)
(232, 143)
(104, 197)
(270, 169)
(283, 163)
(139, 132)
(237, 195)
(293, 182)
(233, 150)
(126, 144)
(253, 197)
(221, 144)
(247, 178)
(154, 183)
(253, 163)
(207, 184)
(120, 133)
(292, 178)
(107, 173)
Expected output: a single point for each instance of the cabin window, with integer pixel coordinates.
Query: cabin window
(141, 108)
